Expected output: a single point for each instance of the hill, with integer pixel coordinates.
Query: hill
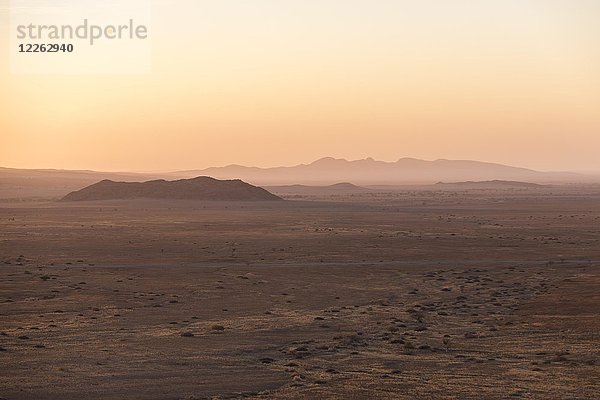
(200, 188)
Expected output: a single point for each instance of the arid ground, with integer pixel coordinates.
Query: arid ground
(401, 295)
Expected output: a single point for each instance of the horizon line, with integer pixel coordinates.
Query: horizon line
(171, 171)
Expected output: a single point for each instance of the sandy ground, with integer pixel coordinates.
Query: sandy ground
(407, 295)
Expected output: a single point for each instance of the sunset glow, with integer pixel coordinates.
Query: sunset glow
(284, 82)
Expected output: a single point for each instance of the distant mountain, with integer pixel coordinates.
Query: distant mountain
(55, 183)
(337, 189)
(372, 172)
(200, 188)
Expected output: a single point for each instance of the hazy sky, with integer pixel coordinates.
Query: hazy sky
(280, 82)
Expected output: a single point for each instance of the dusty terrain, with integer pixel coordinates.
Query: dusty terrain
(411, 294)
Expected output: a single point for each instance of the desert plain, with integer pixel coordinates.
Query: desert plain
(389, 294)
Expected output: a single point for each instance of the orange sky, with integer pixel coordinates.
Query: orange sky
(271, 82)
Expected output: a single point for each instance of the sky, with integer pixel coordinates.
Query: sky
(271, 82)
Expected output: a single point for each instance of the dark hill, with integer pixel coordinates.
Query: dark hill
(201, 188)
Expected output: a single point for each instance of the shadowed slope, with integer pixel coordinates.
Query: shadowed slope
(201, 188)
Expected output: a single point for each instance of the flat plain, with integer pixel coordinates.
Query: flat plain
(433, 294)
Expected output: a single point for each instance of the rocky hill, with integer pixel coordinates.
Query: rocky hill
(201, 188)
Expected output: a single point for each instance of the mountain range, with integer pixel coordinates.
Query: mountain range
(327, 171)
(27, 183)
